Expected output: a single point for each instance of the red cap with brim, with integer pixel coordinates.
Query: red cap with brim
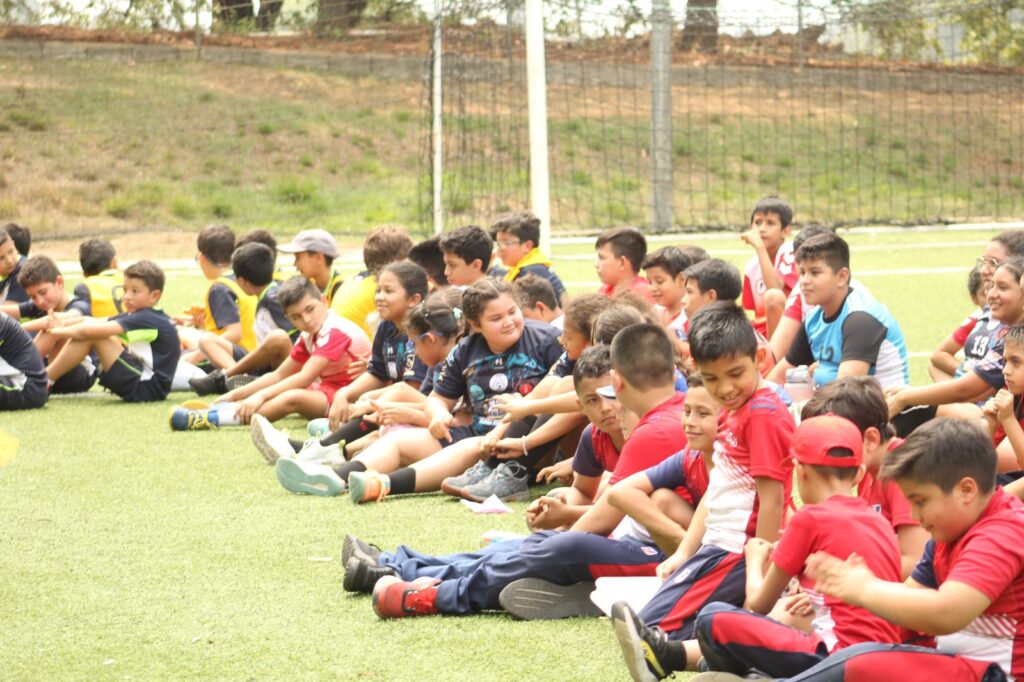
(815, 437)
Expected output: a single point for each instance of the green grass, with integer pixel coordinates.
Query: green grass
(288, 149)
(130, 551)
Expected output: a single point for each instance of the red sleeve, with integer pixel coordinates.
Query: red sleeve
(966, 327)
(299, 353)
(991, 560)
(748, 294)
(794, 307)
(787, 271)
(648, 445)
(897, 505)
(768, 431)
(796, 543)
(334, 346)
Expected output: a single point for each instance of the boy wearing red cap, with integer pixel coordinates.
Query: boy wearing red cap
(829, 463)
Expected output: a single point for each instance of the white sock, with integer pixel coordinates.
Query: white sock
(226, 414)
(182, 373)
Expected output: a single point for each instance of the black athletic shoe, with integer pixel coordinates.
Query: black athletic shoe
(231, 383)
(209, 384)
(537, 599)
(645, 648)
(362, 576)
(354, 547)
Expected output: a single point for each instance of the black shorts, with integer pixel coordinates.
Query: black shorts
(458, 433)
(78, 380)
(237, 352)
(912, 417)
(17, 396)
(124, 379)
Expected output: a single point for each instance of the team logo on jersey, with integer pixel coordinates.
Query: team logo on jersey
(683, 575)
(499, 382)
(649, 551)
(476, 394)
(499, 362)
(525, 388)
(392, 370)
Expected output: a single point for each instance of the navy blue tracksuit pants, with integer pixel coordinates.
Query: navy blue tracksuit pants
(472, 581)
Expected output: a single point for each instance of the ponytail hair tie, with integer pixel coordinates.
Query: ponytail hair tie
(457, 312)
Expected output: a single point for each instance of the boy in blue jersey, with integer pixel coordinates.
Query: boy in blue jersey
(138, 349)
(849, 334)
(22, 373)
(10, 265)
(50, 307)
(467, 255)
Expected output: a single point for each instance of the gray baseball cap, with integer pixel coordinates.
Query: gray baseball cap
(317, 241)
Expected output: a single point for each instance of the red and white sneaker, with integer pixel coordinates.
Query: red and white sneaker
(396, 598)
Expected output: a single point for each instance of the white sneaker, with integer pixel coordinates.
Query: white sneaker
(313, 451)
(271, 443)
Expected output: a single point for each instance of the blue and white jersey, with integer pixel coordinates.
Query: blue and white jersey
(863, 329)
(475, 373)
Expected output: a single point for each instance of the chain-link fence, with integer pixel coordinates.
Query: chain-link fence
(303, 113)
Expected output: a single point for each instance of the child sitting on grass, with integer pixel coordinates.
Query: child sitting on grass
(974, 335)
(306, 381)
(538, 301)
(518, 236)
(138, 349)
(771, 272)
(50, 307)
(467, 255)
(965, 591)
(666, 272)
(620, 256)
(436, 326)
(400, 288)
(23, 383)
(103, 284)
(10, 265)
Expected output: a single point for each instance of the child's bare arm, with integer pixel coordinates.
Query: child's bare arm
(943, 611)
(771, 498)
(959, 390)
(97, 329)
(765, 581)
(632, 496)
(944, 357)
(911, 540)
(690, 544)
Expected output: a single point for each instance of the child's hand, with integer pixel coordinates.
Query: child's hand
(439, 426)
(198, 317)
(562, 471)
(1003, 402)
(669, 566)
(799, 604)
(509, 448)
(892, 398)
(356, 367)
(513, 405)
(753, 237)
(554, 513)
(248, 407)
(846, 580)
(339, 411)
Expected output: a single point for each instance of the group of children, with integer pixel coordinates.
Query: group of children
(687, 417)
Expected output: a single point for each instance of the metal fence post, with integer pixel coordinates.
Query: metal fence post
(661, 116)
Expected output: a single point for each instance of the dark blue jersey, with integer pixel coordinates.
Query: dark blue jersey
(153, 339)
(10, 290)
(473, 372)
(544, 272)
(270, 315)
(20, 361)
(28, 309)
(394, 358)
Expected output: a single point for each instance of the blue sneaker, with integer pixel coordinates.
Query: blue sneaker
(308, 478)
(318, 428)
(184, 419)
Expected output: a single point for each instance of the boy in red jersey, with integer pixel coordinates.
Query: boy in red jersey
(968, 589)
(771, 272)
(829, 463)
(748, 492)
(860, 399)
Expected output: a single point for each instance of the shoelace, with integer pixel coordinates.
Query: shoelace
(198, 419)
(383, 485)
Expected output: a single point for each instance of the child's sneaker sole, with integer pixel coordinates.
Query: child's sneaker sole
(537, 599)
(294, 477)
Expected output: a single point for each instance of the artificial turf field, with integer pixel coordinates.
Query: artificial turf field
(128, 551)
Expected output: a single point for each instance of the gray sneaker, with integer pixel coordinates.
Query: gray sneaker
(238, 381)
(537, 599)
(454, 485)
(509, 483)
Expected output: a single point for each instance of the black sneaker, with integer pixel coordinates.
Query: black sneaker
(537, 599)
(231, 383)
(362, 576)
(209, 384)
(354, 547)
(647, 649)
